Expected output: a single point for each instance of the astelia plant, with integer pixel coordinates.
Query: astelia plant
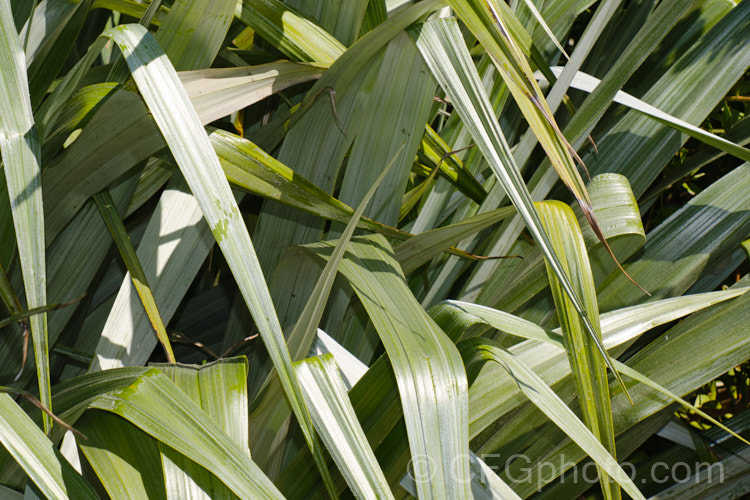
(373, 248)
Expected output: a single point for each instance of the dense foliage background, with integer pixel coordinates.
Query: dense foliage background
(265, 249)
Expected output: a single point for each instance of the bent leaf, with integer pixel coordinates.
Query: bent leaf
(430, 375)
(158, 407)
(444, 49)
(192, 150)
(545, 398)
(36, 454)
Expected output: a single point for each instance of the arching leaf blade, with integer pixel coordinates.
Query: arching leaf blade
(183, 132)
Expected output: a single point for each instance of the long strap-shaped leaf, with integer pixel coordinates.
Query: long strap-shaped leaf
(444, 49)
(194, 30)
(422, 247)
(220, 389)
(159, 408)
(218, 92)
(431, 379)
(21, 155)
(114, 223)
(488, 21)
(485, 484)
(126, 131)
(550, 403)
(33, 451)
(48, 37)
(335, 418)
(302, 335)
(588, 83)
(183, 132)
(589, 371)
(289, 30)
(309, 319)
(617, 326)
(124, 458)
(168, 274)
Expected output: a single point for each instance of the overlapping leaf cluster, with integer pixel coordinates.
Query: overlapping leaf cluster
(381, 244)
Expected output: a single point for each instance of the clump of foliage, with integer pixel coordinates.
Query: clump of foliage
(373, 248)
